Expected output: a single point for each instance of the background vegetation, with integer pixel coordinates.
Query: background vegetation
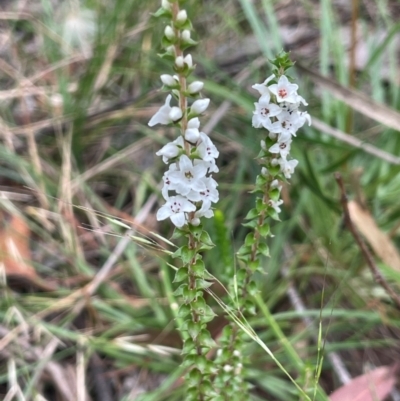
(87, 308)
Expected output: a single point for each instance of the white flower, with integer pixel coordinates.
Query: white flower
(275, 205)
(264, 110)
(192, 133)
(287, 123)
(166, 114)
(275, 184)
(287, 167)
(205, 210)
(181, 17)
(209, 194)
(169, 32)
(281, 147)
(171, 149)
(207, 150)
(262, 88)
(168, 80)
(199, 106)
(175, 209)
(188, 177)
(195, 87)
(284, 90)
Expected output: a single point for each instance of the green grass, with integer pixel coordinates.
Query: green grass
(97, 153)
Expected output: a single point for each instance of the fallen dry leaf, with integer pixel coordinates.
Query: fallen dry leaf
(378, 240)
(14, 246)
(372, 386)
(15, 254)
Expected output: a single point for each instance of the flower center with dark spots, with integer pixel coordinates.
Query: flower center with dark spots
(282, 93)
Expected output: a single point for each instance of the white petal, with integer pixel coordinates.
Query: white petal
(162, 115)
(164, 212)
(200, 106)
(178, 219)
(168, 80)
(195, 87)
(175, 114)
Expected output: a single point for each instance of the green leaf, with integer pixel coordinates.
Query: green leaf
(194, 329)
(244, 250)
(189, 294)
(199, 305)
(184, 310)
(179, 291)
(264, 230)
(274, 194)
(205, 239)
(187, 254)
(241, 275)
(261, 180)
(188, 346)
(162, 12)
(208, 315)
(273, 214)
(249, 240)
(181, 275)
(196, 231)
(263, 249)
(204, 338)
(198, 268)
(202, 284)
(252, 288)
(252, 214)
(254, 265)
(251, 224)
(194, 377)
(250, 308)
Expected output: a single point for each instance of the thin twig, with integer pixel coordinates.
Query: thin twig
(363, 247)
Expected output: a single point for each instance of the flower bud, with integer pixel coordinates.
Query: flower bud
(263, 144)
(188, 60)
(192, 135)
(195, 221)
(166, 5)
(185, 35)
(195, 87)
(200, 106)
(194, 123)
(169, 32)
(170, 150)
(175, 114)
(179, 62)
(168, 80)
(181, 17)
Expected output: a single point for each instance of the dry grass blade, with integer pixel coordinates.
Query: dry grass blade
(378, 240)
(356, 100)
(357, 143)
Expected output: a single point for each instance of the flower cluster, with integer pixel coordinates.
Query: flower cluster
(277, 111)
(189, 189)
